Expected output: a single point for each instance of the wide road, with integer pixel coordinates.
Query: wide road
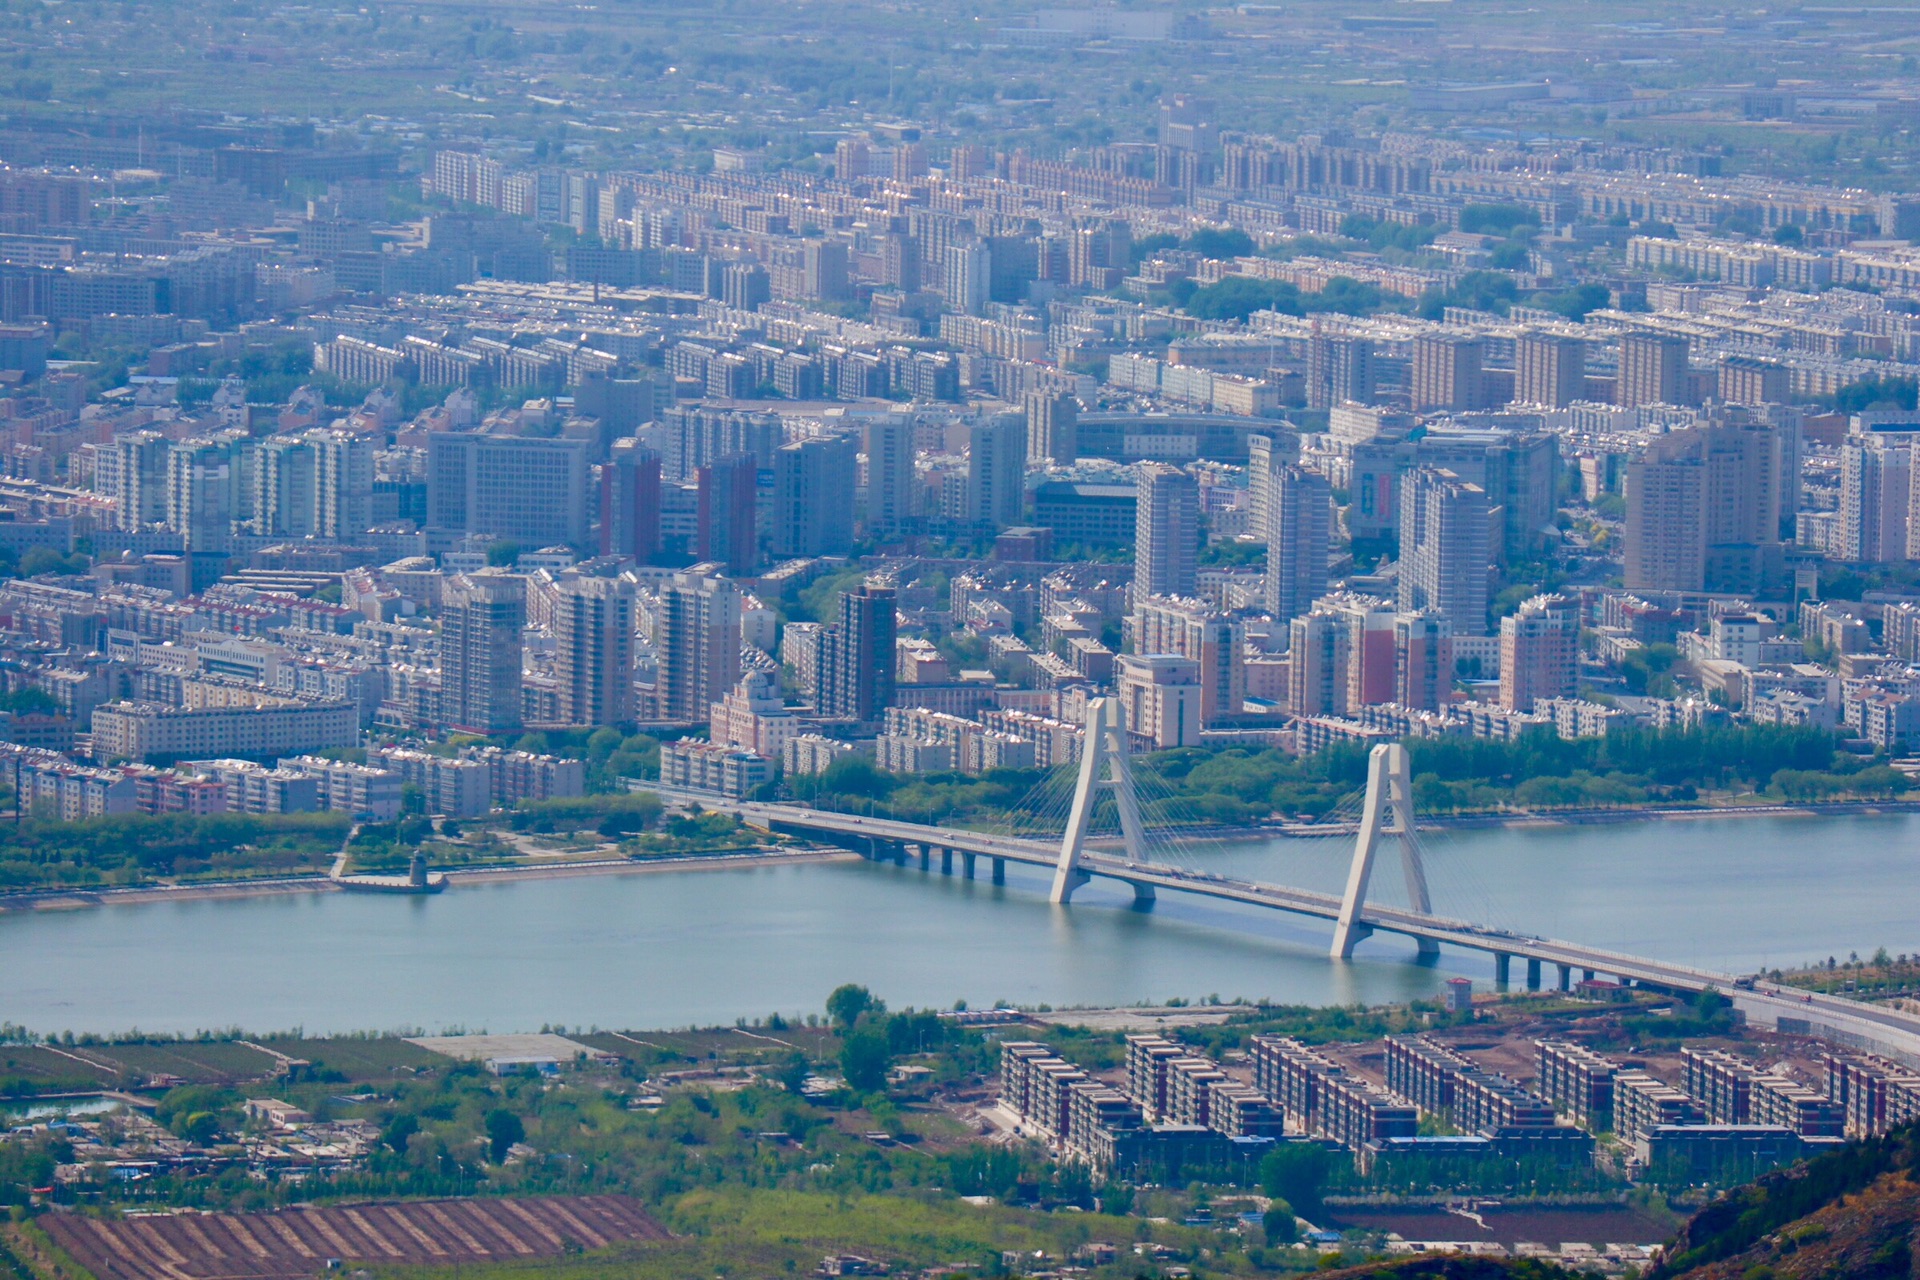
(1833, 1017)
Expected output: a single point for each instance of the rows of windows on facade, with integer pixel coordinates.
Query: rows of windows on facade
(916, 461)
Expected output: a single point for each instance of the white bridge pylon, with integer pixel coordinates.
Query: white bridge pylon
(1388, 811)
(1103, 763)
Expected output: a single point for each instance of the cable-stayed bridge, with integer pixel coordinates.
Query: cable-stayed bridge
(1056, 827)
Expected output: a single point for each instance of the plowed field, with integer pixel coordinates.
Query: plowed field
(297, 1243)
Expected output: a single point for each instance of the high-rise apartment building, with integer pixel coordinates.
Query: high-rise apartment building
(1876, 480)
(900, 262)
(1195, 629)
(1260, 464)
(1447, 371)
(744, 286)
(1166, 532)
(1704, 508)
(530, 490)
(482, 616)
(823, 267)
(890, 482)
(1339, 370)
(1265, 452)
(1098, 253)
(813, 487)
(204, 480)
(593, 640)
(630, 502)
(1317, 662)
(1666, 543)
(698, 640)
(342, 483)
(1524, 479)
(1343, 656)
(966, 276)
(1520, 470)
(139, 481)
(693, 435)
(1550, 369)
(1422, 660)
(857, 660)
(1653, 369)
(1298, 505)
(1444, 551)
(1053, 427)
(1753, 380)
(1539, 652)
(1160, 696)
(726, 529)
(283, 493)
(318, 484)
(1371, 672)
(997, 471)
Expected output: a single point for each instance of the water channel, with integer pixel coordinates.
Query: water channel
(700, 947)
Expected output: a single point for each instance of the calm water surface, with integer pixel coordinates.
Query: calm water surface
(709, 946)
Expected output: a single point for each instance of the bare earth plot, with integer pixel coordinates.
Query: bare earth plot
(294, 1244)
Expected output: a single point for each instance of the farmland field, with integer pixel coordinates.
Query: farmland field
(31, 1069)
(298, 1242)
(358, 1058)
(195, 1061)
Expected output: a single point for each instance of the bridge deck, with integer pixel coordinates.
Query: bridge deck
(1890, 1029)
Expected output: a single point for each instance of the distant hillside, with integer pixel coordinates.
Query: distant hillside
(1851, 1215)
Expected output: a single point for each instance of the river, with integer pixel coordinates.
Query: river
(701, 947)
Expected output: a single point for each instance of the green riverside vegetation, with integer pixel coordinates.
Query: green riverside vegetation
(1721, 766)
(1538, 771)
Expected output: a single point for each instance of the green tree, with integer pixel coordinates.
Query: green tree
(1219, 242)
(1237, 297)
(504, 1128)
(1576, 302)
(864, 1060)
(1874, 393)
(1279, 1224)
(1497, 219)
(848, 1002)
(792, 1074)
(1296, 1172)
(401, 1128)
(1478, 290)
(200, 1128)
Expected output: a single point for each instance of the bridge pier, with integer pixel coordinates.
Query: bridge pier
(1502, 969)
(1586, 975)
(966, 864)
(1533, 974)
(999, 870)
(946, 862)
(1565, 976)
(1142, 893)
(1388, 810)
(926, 857)
(1103, 763)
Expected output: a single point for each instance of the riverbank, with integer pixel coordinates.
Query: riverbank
(1605, 817)
(701, 949)
(214, 890)
(76, 898)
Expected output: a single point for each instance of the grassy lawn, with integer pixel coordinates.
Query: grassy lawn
(764, 1233)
